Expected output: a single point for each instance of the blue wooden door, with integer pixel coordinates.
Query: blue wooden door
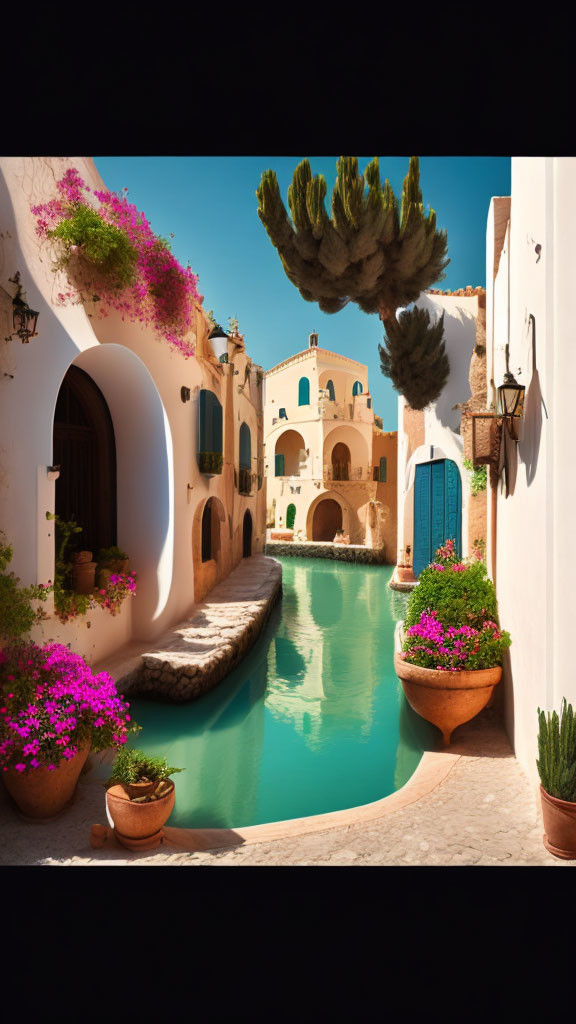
(437, 510)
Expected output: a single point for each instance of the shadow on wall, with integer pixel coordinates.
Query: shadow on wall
(529, 445)
(460, 338)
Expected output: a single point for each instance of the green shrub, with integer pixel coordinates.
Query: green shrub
(557, 752)
(478, 476)
(102, 244)
(112, 554)
(132, 766)
(17, 616)
(461, 598)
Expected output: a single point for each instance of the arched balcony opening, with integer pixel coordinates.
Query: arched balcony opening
(289, 447)
(341, 461)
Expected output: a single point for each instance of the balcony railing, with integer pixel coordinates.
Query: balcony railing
(210, 463)
(244, 481)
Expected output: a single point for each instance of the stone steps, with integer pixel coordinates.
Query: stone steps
(195, 655)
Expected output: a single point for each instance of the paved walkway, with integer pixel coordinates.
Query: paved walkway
(485, 812)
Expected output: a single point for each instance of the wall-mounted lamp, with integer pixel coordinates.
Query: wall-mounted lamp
(24, 319)
(185, 394)
(53, 472)
(511, 397)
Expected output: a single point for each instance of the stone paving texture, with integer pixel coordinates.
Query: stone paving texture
(195, 655)
(486, 812)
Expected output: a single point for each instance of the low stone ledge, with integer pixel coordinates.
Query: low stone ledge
(194, 656)
(339, 552)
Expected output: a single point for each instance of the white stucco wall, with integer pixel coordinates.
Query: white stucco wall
(535, 555)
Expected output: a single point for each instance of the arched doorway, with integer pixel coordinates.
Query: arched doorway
(85, 450)
(247, 535)
(341, 460)
(327, 519)
(210, 531)
(437, 510)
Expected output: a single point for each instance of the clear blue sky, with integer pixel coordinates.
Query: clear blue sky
(209, 203)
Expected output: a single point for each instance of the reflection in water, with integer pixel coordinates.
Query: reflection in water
(312, 720)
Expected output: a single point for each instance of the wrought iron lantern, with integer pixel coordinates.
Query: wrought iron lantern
(219, 340)
(511, 397)
(24, 319)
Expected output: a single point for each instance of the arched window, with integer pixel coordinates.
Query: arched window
(290, 516)
(244, 476)
(330, 390)
(304, 391)
(209, 433)
(357, 389)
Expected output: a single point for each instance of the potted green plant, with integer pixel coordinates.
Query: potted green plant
(53, 711)
(453, 646)
(114, 559)
(557, 770)
(140, 798)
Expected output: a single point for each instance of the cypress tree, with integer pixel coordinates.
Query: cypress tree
(370, 251)
(414, 357)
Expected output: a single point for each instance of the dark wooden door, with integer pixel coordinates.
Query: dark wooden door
(247, 535)
(85, 450)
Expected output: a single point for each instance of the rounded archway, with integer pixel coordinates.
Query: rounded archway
(247, 535)
(327, 519)
(341, 461)
(287, 453)
(210, 546)
(84, 448)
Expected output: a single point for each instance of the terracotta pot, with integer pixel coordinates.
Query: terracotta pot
(41, 794)
(447, 699)
(83, 574)
(405, 574)
(139, 826)
(559, 826)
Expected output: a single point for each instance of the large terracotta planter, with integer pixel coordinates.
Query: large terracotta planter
(559, 826)
(139, 826)
(41, 794)
(447, 699)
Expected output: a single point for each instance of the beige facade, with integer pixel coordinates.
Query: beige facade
(323, 452)
(157, 495)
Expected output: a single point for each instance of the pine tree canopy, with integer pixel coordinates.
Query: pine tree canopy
(369, 251)
(414, 357)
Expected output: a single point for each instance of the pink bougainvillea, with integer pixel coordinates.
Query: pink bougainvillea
(52, 704)
(161, 294)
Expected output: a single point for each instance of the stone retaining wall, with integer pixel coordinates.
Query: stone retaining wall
(196, 655)
(340, 552)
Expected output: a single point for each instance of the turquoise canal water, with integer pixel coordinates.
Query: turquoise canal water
(313, 719)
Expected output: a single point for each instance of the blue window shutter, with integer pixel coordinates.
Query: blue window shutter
(383, 470)
(331, 392)
(245, 447)
(282, 414)
(439, 534)
(357, 389)
(304, 391)
(279, 465)
(210, 422)
(453, 505)
(422, 510)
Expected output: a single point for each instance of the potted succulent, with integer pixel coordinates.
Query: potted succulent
(53, 711)
(140, 798)
(557, 770)
(453, 646)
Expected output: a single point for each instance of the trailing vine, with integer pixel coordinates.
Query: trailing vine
(478, 476)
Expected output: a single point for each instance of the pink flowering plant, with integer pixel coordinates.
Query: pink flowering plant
(115, 258)
(452, 616)
(52, 705)
(120, 586)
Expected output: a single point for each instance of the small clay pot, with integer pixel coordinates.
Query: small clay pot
(139, 826)
(135, 789)
(447, 699)
(559, 826)
(41, 794)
